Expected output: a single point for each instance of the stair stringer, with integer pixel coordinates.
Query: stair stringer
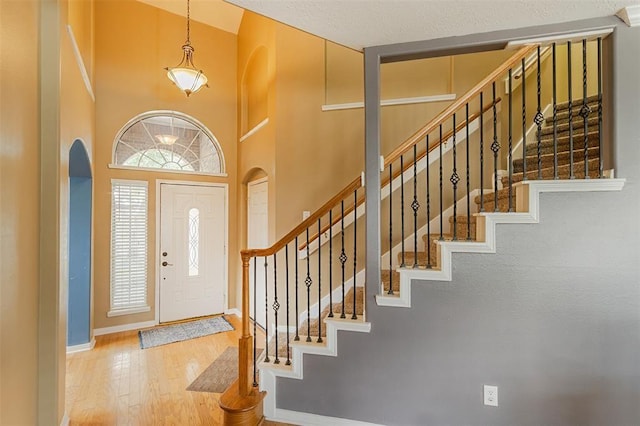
(269, 371)
(486, 224)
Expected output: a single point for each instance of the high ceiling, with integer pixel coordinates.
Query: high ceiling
(215, 13)
(363, 23)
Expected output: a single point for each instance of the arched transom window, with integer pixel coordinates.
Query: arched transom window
(170, 141)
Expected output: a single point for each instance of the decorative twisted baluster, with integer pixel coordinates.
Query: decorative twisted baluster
(266, 312)
(402, 263)
(286, 261)
(276, 306)
(330, 263)
(524, 121)
(600, 165)
(343, 255)
(454, 181)
(510, 151)
(570, 91)
(428, 240)
(441, 207)
(297, 337)
(555, 114)
(495, 147)
(539, 119)
(585, 110)
(355, 250)
(255, 320)
(481, 151)
(307, 282)
(390, 229)
(415, 205)
(320, 281)
(466, 109)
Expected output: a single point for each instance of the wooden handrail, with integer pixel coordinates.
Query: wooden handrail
(348, 190)
(385, 181)
(451, 109)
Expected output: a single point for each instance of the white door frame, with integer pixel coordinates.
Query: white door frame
(225, 186)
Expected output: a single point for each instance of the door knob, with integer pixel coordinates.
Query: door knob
(165, 263)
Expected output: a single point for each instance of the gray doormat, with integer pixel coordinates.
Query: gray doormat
(183, 331)
(220, 374)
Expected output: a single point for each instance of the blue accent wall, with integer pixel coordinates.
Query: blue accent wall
(78, 319)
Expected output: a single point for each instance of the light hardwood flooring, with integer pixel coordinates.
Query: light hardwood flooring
(117, 383)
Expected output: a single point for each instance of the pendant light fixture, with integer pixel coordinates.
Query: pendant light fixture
(185, 75)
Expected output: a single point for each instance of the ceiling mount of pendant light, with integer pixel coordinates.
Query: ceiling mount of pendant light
(185, 75)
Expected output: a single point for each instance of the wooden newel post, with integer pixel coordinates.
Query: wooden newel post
(246, 342)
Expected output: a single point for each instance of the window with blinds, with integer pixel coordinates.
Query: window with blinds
(128, 247)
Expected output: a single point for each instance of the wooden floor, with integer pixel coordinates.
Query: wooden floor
(117, 383)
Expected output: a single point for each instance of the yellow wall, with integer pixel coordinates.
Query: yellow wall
(37, 132)
(130, 80)
(19, 211)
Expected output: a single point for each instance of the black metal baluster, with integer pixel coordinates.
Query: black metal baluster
(286, 261)
(343, 255)
(276, 305)
(539, 119)
(355, 251)
(307, 282)
(331, 263)
(495, 147)
(441, 209)
(255, 320)
(415, 205)
(297, 318)
(320, 282)
(402, 264)
(570, 90)
(468, 177)
(601, 165)
(390, 230)
(428, 239)
(481, 151)
(266, 312)
(510, 152)
(585, 110)
(524, 120)
(454, 181)
(555, 115)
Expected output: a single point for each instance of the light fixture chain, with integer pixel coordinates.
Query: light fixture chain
(188, 18)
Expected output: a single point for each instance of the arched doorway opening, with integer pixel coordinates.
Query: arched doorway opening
(80, 213)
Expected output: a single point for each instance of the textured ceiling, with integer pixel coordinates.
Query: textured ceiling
(363, 23)
(215, 13)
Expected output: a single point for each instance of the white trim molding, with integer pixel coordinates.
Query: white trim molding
(82, 347)
(397, 101)
(129, 311)
(486, 223)
(630, 15)
(561, 38)
(299, 418)
(123, 327)
(80, 62)
(233, 311)
(253, 131)
(269, 372)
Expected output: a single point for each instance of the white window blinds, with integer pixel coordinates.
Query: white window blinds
(128, 245)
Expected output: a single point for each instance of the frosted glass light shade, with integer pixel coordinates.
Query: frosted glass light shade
(166, 139)
(189, 80)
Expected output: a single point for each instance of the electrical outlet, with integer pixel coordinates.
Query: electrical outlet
(491, 395)
(306, 214)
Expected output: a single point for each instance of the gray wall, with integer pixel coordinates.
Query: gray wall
(552, 319)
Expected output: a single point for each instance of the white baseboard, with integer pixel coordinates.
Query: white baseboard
(123, 327)
(65, 420)
(307, 419)
(233, 311)
(82, 347)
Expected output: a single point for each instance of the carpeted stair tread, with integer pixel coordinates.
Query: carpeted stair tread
(547, 160)
(337, 312)
(578, 126)
(574, 102)
(546, 143)
(386, 276)
(563, 172)
(563, 113)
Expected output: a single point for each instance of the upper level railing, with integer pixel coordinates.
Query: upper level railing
(287, 292)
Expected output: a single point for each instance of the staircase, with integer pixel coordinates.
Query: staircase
(464, 228)
(565, 148)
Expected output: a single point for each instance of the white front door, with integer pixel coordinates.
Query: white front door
(257, 237)
(192, 251)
